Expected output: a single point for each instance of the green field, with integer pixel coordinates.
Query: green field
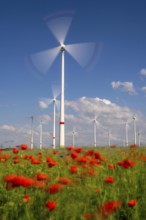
(73, 184)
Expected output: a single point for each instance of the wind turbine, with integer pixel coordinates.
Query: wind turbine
(139, 138)
(83, 53)
(126, 133)
(73, 137)
(55, 102)
(134, 124)
(95, 123)
(32, 139)
(41, 134)
(126, 123)
(109, 138)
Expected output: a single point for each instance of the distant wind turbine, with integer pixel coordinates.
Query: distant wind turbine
(55, 102)
(83, 53)
(139, 138)
(126, 123)
(134, 124)
(41, 135)
(32, 138)
(109, 138)
(95, 124)
(126, 133)
(73, 137)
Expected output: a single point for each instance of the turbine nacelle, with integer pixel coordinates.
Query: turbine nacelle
(54, 100)
(62, 47)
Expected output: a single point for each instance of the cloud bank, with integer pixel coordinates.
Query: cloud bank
(79, 124)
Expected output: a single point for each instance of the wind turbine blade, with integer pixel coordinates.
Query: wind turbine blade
(59, 24)
(55, 91)
(42, 61)
(86, 54)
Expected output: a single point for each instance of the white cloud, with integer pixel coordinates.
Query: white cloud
(79, 116)
(143, 88)
(125, 87)
(8, 127)
(44, 119)
(43, 104)
(143, 72)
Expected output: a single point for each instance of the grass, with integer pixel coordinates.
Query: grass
(84, 192)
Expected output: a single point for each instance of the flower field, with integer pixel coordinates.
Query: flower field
(73, 183)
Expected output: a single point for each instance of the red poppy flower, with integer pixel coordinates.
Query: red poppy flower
(126, 163)
(94, 162)
(83, 159)
(23, 146)
(26, 198)
(4, 157)
(16, 160)
(22, 181)
(48, 158)
(51, 205)
(78, 150)
(35, 161)
(69, 148)
(97, 155)
(74, 169)
(111, 166)
(18, 180)
(64, 180)
(54, 188)
(109, 207)
(15, 150)
(109, 179)
(74, 154)
(102, 158)
(52, 163)
(90, 152)
(42, 176)
(27, 157)
(9, 177)
(132, 203)
(55, 152)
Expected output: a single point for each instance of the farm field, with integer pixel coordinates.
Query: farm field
(73, 183)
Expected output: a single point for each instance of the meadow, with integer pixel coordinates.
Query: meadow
(73, 183)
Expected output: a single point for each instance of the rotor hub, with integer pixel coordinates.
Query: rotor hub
(62, 47)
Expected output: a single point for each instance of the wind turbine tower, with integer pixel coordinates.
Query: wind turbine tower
(54, 124)
(73, 137)
(55, 102)
(95, 122)
(126, 134)
(134, 124)
(62, 126)
(41, 138)
(32, 139)
(139, 137)
(109, 138)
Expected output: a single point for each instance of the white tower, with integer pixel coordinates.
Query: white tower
(41, 135)
(126, 133)
(32, 139)
(94, 132)
(134, 124)
(62, 126)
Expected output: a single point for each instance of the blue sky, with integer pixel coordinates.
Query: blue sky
(117, 78)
